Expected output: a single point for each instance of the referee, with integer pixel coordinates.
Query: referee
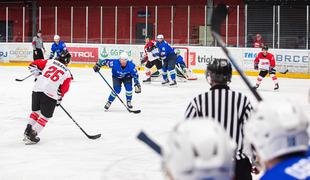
(230, 108)
(38, 47)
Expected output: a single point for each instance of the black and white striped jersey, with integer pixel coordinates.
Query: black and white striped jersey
(231, 109)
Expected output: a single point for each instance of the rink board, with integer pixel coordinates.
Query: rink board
(85, 55)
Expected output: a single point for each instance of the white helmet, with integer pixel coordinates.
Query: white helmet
(160, 36)
(199, 149)
(277, 128)
(123, 55)
(56, 37)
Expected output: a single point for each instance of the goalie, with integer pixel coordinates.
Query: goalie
(181, 68)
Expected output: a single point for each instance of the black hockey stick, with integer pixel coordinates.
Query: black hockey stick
(89, 136)
(283, 72)
(24, 78)
(129, 110)
(148, 141)
(218, 16)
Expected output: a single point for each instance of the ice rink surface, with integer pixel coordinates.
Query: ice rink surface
(65, 153)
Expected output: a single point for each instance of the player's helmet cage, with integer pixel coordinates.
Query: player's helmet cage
(277, 128)
(199, 149)
(65, 57)
(219, 71)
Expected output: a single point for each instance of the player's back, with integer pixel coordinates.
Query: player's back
(53, 76)
(290, 169)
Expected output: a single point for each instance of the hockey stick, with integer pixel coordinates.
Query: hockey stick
(24, 78)
(89, 136)
(148, 141)
(180, 70)
(129, 110)
(218, 16)
(283, 72)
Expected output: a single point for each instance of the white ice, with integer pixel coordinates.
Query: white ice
(65, 153)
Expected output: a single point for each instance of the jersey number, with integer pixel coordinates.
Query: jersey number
(53, 73)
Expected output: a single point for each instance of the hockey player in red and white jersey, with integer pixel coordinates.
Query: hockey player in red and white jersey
(151, 57)
(266, 63)
(53, 81)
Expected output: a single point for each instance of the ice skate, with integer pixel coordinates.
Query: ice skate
(129, 105)
(165, 82)
(32, 138)
(276, 87)
(107, 105)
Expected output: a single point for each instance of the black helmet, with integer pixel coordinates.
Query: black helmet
(219, 71)
(65, 57)
(265, 47)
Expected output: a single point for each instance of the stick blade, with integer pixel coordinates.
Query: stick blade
(134, 111)
(218, 16)
(18, 80)
(94, 136)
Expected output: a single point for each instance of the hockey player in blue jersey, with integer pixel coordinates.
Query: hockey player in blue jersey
(123, 71)
(278, 134)
(57, 47)
(169, 58)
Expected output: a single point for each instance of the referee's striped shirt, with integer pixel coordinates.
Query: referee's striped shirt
(231, 109)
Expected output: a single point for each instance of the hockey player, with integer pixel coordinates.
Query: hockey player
(153, 59)
(278, 134)
(181, 66)
(199, 149)
(57, 47)
(166, 52)
(123, 71)
(266, 63)
(53, 81)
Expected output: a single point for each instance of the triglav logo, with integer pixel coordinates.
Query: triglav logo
(249, 55)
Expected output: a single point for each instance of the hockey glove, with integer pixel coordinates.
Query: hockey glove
(137, 88)
(256, 66)
(96, 67)
(34, 70)
(59, 97)
(58, 101)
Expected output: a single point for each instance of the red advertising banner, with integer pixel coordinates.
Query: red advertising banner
(84, 54)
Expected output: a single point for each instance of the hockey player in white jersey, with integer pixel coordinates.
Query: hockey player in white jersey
(278, 133)
(199, 149)
(53, 81)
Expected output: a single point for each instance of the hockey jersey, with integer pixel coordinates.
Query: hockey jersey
(118, 71)
(57, 48)
(296, 168)
(165, 49)
(54, 80)
(265, 62)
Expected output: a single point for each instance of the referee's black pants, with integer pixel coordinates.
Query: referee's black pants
(39, 54)
(243, 169)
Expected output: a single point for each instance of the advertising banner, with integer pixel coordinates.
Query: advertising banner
(4, 54)
(84, 54)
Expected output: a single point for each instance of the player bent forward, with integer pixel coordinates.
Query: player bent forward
(278, 134)
(123, 71)
(53, 81)
(266, 63)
